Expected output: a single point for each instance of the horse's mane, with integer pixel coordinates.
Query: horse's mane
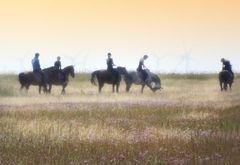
(52, 67)
(68, 67)
(49, 68)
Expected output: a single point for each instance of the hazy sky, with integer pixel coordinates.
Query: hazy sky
(174, 33)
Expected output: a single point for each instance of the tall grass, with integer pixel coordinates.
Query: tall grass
(6, 85)
(133, 136)
(189, 122)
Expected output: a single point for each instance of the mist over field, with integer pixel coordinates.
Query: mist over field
(89, 60)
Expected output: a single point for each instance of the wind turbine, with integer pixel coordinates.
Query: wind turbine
(185, 60)
(159, 59)
(79, 60)
(21, 61)
(83, 61)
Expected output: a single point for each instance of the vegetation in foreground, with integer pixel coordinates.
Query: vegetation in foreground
(189, 122)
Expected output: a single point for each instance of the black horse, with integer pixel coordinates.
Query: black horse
(133, 77)
(225, 79)
(31, 78)
(53, 76)
(104, 76)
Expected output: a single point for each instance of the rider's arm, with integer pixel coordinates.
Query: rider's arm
(144, 67)
(113, 63)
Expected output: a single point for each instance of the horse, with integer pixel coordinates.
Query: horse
(31, 78)
(53, 77)
(133, 77)
(225, 79)
(104, 76)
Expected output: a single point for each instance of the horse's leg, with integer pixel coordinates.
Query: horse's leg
(221, 87)
(142, 88)
(128, 86)
(117, 88)
(100, 85)
(45, 88)
(113, 88)
(50, 88)
(27, 87)
(225, 86)
(22, 86)
(39, 89)
(63, 89)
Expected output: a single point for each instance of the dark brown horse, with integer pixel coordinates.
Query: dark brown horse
(225, 79)
(104, 76)
(53, 76)
(31, 78)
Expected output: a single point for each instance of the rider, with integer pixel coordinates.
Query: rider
(58, 66)
(142, 68)
(110, 65)
(37, 68)
(226, 65)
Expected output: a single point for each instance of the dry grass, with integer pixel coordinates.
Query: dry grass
(189, 122)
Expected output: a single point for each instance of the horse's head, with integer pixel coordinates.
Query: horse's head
(69, 70)
(122, 70)
(155, 83)
(72, 71)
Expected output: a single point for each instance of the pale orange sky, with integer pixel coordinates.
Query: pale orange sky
(83, 31)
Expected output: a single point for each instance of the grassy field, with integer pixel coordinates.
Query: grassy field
(189, 122)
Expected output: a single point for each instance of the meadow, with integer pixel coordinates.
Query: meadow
(190, 121)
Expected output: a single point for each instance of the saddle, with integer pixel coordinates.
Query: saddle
(37, 76)
(148, 78)
(139, 74)
(61, 75)
(114, 74)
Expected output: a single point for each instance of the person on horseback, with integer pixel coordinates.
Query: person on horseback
(142, 68)
(37, 68)
(58, 66)
(226, 65)
(110, 65)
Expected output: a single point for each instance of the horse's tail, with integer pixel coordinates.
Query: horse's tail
(93, 76)
(21, 78)
(220, 76)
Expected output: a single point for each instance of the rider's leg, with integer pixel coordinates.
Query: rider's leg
(42, 77)
(115, 73)
(145, 76)
(61, 75)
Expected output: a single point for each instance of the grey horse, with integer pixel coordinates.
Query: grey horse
(133, 77)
